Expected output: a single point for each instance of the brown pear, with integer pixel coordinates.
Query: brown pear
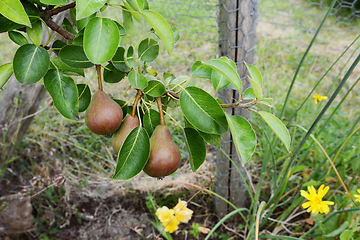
(120, 135)
(165, 156)
(103, 115)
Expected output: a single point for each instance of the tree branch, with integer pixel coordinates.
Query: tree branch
(60, 9)
(59, 29)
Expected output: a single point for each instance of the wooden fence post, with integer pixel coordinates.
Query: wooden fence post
(237, 20)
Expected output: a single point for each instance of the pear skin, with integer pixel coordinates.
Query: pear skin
(165, 156)
(103, 115)
(120, 135)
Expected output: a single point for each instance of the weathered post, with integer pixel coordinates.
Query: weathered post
(237, 20)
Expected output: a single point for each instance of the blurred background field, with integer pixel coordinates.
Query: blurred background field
(284, 30)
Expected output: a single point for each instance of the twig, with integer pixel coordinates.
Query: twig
(60, 9)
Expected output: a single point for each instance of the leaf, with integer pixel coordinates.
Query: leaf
(55, 62)
(128, 22)
(14, 10)
(54, 2)
(57, 46)
(6, 71)
(35, 33)
(278, 128)
(151, 120)
(254, 73)
(148, 50)
(101, 39)
(154, 88)
(161, 27)
(213, 139)
(132, 11)
(137, 80)
(176, 34)
(30, 63)
(30, 9)
(85, 8)
(249, 94)
(17, 38)
(344, 226)
(81, 24)
(74, 56)
(130, 57)
(243, 136)
(196, 147)
(182, 81)
(255, 80)
(133, 154)
(203, 111)
(119, 60)
(112, 74)
(64, 93)
(84, 96)
(202, 71)
(67, 25)
(227, 70)
(123, 105)
(218, 80)
(122, 30)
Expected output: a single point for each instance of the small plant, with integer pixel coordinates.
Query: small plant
(195, 232)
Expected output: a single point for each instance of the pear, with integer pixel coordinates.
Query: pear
(120, 135)
(165, 156)
(103, 115)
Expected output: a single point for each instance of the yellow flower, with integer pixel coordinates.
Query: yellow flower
(319, 98)
(315, 203)
(357, 196)
(182, 213)
(167, 219)
(171, 226)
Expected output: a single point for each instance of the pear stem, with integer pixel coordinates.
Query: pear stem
(98, 70)
(162, 120)
(137, 98)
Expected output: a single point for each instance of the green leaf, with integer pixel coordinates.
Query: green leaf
(161, 27)
(85, 8)
(243, 136)
(182, 81)
(254, 73)
(278, 128)
(30, 9)
(55, 62)
(213, 139)
(255, 80)
(227, 70)
(81, 24)
(133, 154)
(155, 88)
(57, 46)
(249, 94)
(84, 96)
(201, 70)
(266, 101)
(128, 22)
(151, 120)
(35, 33)
(218, 80)
(30, 63)
(54, 2)
(148, 50)
(176, 33)
(64, 93)
(196, 147)
(130, 57)
(339, 230)
(6, 71)
(101, 40)
(67, 25)
(203, 111)
(112, 74)
(74, 56)
(132, 11)
(137, 80)
(119, 60)
(17, 38)
(122, 30)
(14, 10)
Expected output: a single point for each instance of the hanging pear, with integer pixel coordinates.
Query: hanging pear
(165, 156)
(130, 122)
(103, 115)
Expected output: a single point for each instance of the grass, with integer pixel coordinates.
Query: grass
(284, 31)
